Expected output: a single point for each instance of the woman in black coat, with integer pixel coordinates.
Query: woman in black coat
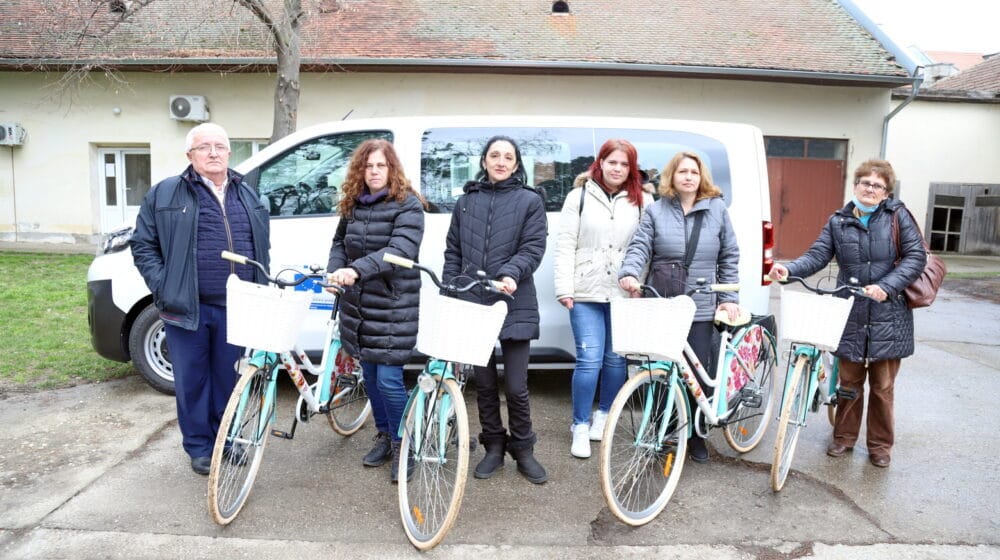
(499, 227)
(878, 333)
(379, 213)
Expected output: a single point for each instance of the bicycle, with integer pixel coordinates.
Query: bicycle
(267, 320)
(813, 324)
(645, 439)
(454, 334)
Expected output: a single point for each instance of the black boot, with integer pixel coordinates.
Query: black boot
(395, 464)
(493, 460)
(697, 449)
(527, 465)
(381, 451)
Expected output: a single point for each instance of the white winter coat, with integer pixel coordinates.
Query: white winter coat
(590, 246)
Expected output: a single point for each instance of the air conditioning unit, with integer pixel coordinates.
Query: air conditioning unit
(11, 134)
(189, 108)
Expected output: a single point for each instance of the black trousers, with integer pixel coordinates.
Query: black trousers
(515, 361)
(701, 338)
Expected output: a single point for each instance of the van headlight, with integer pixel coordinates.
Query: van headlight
(115, 241)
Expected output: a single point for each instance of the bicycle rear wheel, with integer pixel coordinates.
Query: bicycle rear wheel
(437, 439)
(746, 426)
(639, 471)
(794, 406)
(349, 404)
(239, 447)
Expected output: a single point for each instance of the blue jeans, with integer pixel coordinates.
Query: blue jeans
(204, 377)
(387, 395)
(591, 324)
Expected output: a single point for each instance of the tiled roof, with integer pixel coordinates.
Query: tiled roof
(962, 60)
(983, 77)
(800, 37)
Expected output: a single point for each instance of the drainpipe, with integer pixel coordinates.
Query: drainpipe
(918, 79)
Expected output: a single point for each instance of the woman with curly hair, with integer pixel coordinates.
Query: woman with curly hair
(379, 213)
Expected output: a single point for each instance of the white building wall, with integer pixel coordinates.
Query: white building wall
(55, 175)
(943, 142)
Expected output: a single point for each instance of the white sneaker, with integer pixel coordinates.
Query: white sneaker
(581, 443)
(597, 425)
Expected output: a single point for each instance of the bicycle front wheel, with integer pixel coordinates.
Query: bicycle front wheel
(349, 404)
(436, 438)
(793, 409)
(239, 446)
(639, 469)
(745, 428)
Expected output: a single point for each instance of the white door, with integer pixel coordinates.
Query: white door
(126, 180)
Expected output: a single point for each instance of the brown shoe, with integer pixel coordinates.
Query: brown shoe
(880, 460)
(837, 450)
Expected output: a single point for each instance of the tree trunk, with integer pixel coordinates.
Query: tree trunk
(286, 92)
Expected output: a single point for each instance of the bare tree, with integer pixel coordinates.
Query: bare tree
(100, 25)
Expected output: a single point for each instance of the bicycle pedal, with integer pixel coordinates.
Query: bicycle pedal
(281, 434)
(846, 394)
(750, 398)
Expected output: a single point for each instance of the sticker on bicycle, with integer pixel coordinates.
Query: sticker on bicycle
(748, 351)
(344, 364)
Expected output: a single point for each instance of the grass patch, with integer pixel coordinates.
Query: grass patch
(43, 310)
(986, 274)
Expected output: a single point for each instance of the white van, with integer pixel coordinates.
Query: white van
(299, 176)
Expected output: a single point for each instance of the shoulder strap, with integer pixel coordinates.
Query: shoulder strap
(691, 244)
(583, 197)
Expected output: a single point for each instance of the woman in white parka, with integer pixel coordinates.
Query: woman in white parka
(596, 225)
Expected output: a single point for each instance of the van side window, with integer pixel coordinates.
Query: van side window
(553, 157)
(305, 181)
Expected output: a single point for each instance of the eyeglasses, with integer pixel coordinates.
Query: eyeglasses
(875, 187)
(208, 148)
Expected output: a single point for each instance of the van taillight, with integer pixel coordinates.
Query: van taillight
(767, 252)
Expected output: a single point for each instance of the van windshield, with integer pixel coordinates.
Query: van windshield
(553, 157)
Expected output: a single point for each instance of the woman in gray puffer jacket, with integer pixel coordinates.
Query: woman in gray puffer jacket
(661, 242)
(878, 333)
(379, 213)
(499, 227)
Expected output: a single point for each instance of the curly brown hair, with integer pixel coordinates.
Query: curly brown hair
(354, 184)
(706, 188)
(880, 167)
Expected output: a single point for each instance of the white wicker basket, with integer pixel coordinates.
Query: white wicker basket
(813, 319)
(459, 331)
(654, 327)
(264, 317)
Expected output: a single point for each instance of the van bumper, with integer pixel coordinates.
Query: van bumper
(106, 322)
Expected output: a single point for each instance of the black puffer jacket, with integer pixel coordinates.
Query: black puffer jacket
(499, 229)
(378, 315)
(876, 331)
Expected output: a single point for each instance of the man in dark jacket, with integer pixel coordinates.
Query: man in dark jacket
(185, 222)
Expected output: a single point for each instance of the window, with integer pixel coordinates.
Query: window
(125, 175)
(553, 157)
(946, 222)
(809, 148)
(241, 150)
(306, 180)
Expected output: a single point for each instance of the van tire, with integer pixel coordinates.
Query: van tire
(147, 345)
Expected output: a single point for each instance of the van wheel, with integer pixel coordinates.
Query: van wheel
(147, 344)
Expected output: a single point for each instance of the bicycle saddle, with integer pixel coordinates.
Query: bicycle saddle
(742, 319)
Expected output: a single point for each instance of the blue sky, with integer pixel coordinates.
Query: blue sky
(935, 25)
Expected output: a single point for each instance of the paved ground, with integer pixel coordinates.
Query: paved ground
(97, 471)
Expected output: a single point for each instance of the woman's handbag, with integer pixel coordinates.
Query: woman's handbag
(669, 277)
(923, 290)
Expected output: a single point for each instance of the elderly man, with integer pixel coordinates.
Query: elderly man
(184, 224)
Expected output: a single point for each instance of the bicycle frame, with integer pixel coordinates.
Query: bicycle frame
(822, 381)
(684, 371)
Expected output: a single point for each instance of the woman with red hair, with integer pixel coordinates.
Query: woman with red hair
(596, 225)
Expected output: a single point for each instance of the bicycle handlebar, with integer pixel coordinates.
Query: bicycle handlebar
(699, 288)
(851, 288)
(317, 277)
(481, 280)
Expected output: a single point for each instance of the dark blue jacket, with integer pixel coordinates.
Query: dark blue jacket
(501, 230)
(378, 314)
(874, 331)
(164, 245)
